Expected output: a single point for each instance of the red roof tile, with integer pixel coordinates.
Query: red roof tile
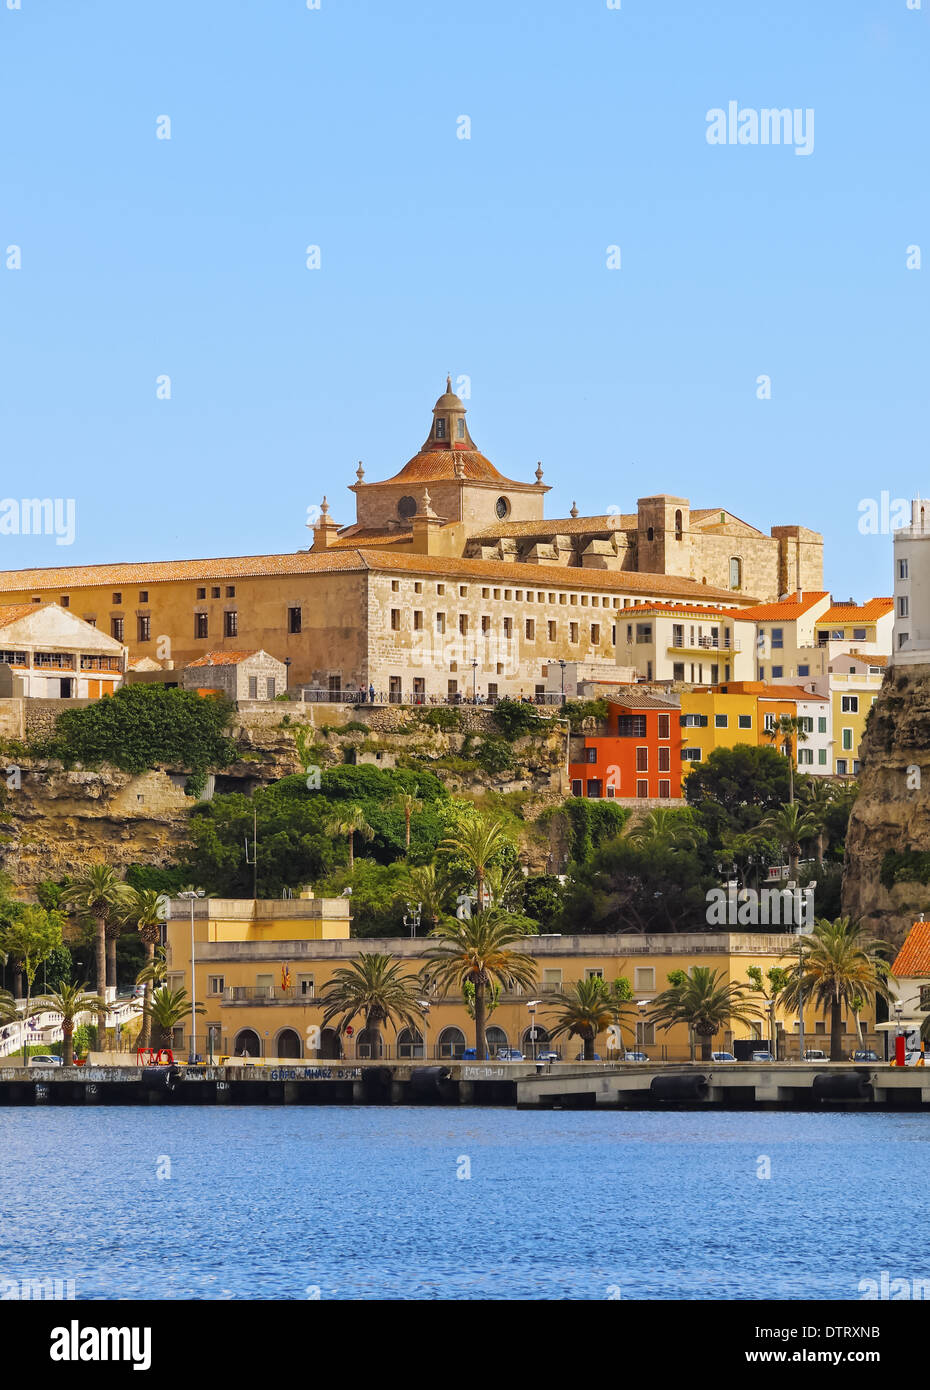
(913, 959)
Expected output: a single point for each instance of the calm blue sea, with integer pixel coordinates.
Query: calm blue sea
(402, 1203)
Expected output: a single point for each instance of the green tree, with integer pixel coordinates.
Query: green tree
(478, 842)
(664, 828)
(839, 967)
(378, 987)
(100, 894)
(788, 730)
(583, 1010)
(350, 823)
(70, 1001)
(789, 827)
(144, 909)
(625, 888)
(705, 1003)
(31, 937)
(734, 787)
(479, 950)
(168, 1008)
(409, 802)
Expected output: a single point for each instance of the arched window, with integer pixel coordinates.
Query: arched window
(461, 428)
(247, 1044)
(410, 1043)
(650, 533)
(495, 1038)
(451, 1043)
(440, 428)
(679, 525)
(287, 1043)
(736, 572)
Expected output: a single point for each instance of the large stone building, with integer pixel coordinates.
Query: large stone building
(450, 580)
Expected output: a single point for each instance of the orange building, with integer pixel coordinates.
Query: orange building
(639, 757)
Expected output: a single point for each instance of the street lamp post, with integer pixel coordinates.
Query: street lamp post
(425, 1006)
(533, 1005)
(642, 1005)
(412, 917)
(474, 682)
(192, 894)
(562, 672)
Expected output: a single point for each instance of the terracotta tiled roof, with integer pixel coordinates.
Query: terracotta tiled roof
(434, 465)
(787, 609)
(353, 560)
(354, 536)
(788, 693)
(224, 658)
(711, 516)
(913, 959)
(644, 702)
(851, 612)
(692, 610)
(12, 612)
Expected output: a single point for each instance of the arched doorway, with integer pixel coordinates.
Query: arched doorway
(330, 1047)
(410, 1043)
(495, 1038)
(369, 1044)
(247, 1043)
(287, 1043)
(451, 1043)
(542, 1044)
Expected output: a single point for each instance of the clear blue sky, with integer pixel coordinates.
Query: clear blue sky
(484, 257)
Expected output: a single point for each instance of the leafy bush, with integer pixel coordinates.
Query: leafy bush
(905, 866)
(143, 725)
(442, 717)
(515, 718)
(84, 1039)
(494, 755)
(591, 823)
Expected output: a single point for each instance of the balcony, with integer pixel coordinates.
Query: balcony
(705, 644)
(267, 994)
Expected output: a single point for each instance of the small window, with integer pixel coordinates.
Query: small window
(902, 569)
(395, 586)
(644, 978)
(270, 688)
(842, 767)
(902, 608)
(215, 591)
(143, 595)
(573, 632)
(145, 628)
(821, 724)
(736, 573)
(822, 757)
(642, 760)
(200, 625)
(294, 619)
(777, 672)
(117, 600)
(804, 670)
(201, 593)
(440, 588)
(778, 637)
(417, 620)
(463, 624)
(595, 634)
(744, 721)
(253, 687)
(551, 634)
(116, 629)
(849, 704)
(665, 726)
(230, 591)
(665, 760)
(860, 634)
(231, 624)
(847, 740)
(440, 428)
(665, 789)
(440, 622)
(216, 984)
(721, 721)
(530, 630)
(395, 619)
(65, 601)
(463, 590)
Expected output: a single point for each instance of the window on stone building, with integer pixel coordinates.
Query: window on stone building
(463, 590)
(145, 628)
(395, 619)
(117, 600)
(65, 601)
(463, 624)
(573, 632)
(440, 428)
(143, 595)
(294, 619)
(508, 627)
(417, 587)
(116, 629)
(440, 588)
(230, 591)
(200, 625)
(253, 687)
(215, 591)
(270, 688)
(417, 620)
(595, 634)
(485, 624)
(530, 630)
(201, 593)
(679, 525)
(902, 569)
(642, 760)
(440, 622)
(231, 624)
(736, 572)
(551, 634)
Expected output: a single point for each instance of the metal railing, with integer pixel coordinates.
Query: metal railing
(310, 696)
(267, 994)
(706, 644)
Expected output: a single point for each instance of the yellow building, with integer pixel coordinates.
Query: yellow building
(713, 718)
(261, 968)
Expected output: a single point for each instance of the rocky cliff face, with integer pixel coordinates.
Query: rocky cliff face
(892, 812)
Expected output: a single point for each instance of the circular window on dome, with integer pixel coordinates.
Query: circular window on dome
(407, 508)
(502, 507)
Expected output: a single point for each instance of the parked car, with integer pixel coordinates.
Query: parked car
(635, 1057)
(579, 1057)
(509, 1054)
(763, 1057)
(814, 1054)
(722, 1057)
(548, 1057)
(866, 1056)
(914, 1059)
(44, 1059)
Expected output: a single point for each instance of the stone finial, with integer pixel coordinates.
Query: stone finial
(360, 472)
(574, 510)
(324, 509)
(458, 467)
(427, 505)
(539, 472)
(449, 382)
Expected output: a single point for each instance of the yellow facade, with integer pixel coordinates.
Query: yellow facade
(739, 711)
(261, 983)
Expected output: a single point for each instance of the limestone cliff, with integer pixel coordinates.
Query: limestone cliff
(889, 816)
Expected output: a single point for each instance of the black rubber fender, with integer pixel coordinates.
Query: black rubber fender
(686, 1085)
(425, 1081)
(841, 1085)
(160, 1078)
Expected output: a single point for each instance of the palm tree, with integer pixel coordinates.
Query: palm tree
(664, 828)
(478, 841)
(789, 825)
(705, 1003)
(583, 1010)
(373, 985)
(408, 803)
(168, 1008)
(99, 893)
(144, 907)
(817, 797)
(70, 1001)
(351, 823)
(839, 966)
(429, 885)
(477, 949)
(792, 730)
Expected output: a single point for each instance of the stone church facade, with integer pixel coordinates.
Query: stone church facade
(450, 580)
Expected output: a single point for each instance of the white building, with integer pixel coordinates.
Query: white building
(911, 644)
(54, 654)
